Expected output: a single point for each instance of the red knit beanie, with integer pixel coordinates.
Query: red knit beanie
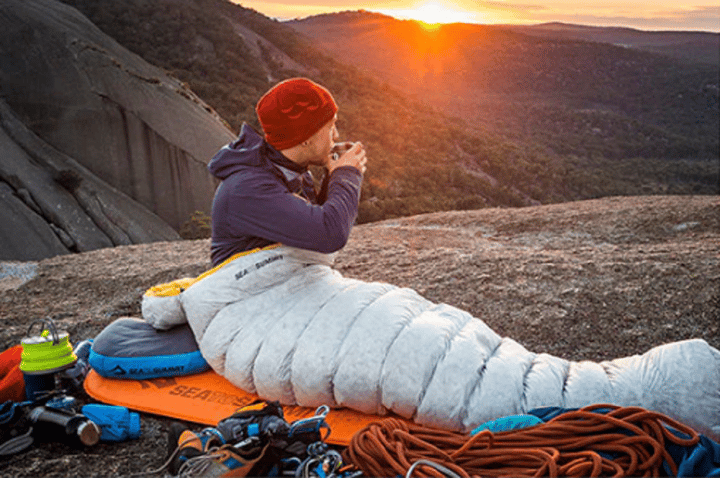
(293, 111)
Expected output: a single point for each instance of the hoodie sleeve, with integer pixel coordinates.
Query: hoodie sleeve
(263, 207)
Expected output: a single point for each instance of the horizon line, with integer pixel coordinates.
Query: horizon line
(385, 13)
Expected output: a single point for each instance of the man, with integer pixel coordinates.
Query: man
(267, 194)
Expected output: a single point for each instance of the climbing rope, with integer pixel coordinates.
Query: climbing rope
(600, 440)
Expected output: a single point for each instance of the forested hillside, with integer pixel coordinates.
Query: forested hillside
(422, 159)
(589, 97)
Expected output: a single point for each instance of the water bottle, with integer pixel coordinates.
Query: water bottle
(55, 424)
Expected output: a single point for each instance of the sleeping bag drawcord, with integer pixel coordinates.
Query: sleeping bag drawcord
(167, 463)
(622, 442)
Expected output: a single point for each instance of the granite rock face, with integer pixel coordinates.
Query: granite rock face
(53, 205)
(97, 146)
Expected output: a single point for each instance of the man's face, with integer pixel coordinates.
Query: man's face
(321, 143)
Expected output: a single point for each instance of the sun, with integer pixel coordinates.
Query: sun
(434, 13)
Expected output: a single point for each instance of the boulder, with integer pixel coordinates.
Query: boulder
(53, 205)
(126, 122)
(24, 236)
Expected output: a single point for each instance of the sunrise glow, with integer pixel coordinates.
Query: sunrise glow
(433, 13)
(683, 15)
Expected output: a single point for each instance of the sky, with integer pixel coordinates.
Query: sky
(701, 15)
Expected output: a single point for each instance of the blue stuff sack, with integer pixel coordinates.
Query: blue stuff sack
(116, 423)
(130, 348)
(511, 422)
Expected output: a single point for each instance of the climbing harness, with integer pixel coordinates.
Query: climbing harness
(257, 441)
(324, 462)
(310, 429)
(593, 441)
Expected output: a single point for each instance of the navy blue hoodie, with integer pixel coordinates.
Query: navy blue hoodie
(264, 198)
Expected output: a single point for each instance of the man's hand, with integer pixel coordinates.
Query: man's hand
(355, 157)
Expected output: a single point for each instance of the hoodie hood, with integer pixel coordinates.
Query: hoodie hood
(244, 151)
(249, 150)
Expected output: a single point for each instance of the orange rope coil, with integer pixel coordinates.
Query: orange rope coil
(576, 443)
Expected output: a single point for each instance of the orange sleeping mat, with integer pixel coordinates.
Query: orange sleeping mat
(207, 398)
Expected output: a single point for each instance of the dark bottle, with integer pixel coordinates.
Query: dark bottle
(54, 424)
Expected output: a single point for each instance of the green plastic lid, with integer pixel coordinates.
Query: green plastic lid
(48, 352)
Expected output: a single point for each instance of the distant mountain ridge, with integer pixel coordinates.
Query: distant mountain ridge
(693, 46)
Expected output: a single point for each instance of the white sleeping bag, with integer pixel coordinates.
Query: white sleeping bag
(280, 322)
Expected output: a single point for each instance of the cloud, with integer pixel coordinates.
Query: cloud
(697, 18)
(709, 13)
(510, 7)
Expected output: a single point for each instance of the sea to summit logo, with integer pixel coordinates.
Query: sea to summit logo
(258, 265)
(118, 371)
(157, 370)
(159, 383)
(210, 396)
(138, 372)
